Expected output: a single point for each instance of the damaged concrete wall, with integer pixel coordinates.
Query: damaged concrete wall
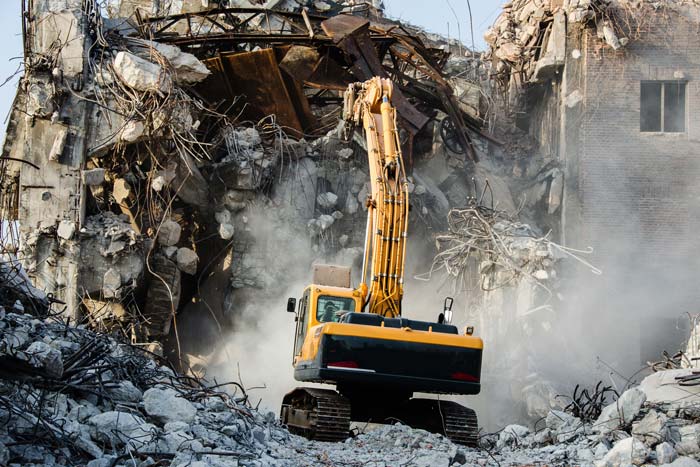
(629, 192)
(651, 175)
(50, 132)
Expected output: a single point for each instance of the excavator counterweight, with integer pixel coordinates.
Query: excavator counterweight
(357, 338)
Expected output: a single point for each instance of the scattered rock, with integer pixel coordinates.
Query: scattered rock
(665, 453)
(620, 413)
(187, 261)
(169, 233)
(165, 405)
(626, 452)
(138, 73)
(226, 231)
(66, 229)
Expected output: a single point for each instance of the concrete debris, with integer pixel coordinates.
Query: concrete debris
(652, 429)
(512, 435)
(66, 229)
(203, 145)
(665, 454)
(156, 414)
(94, 177)
(226, 231)
(187, 261)
(132, 131)
(139, 74)
(188, 69)
(111, 283)
(327, 200)
(166, 406)
(684, 462)
(111, 253)
(15, 286)
(629, 451)
(44, 357)
(525, 26)
(621, 413)
(169, 233)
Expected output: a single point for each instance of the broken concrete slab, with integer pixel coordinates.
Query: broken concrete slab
(622, 412)
(66, 229)
(166, 406)
(652, 429)
(188, 69)
(46, 358)
(626, 452)
(554, 57)
(138, 73)
(119, 428)
(63, 26)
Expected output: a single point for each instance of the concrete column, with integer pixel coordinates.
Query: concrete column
(51, 135)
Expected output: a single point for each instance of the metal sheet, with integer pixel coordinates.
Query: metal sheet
(258, 80)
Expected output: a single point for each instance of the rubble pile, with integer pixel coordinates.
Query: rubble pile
(69, 396)
(528, 40)
(653, 423)
(16, 289)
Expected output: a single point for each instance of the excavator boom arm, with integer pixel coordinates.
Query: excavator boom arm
(369, 103)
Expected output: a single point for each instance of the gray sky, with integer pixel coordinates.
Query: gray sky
(433, 15)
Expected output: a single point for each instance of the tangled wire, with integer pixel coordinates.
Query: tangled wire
(492, 243)
(588, 404)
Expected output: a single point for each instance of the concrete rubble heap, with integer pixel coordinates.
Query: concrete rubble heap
(528, 41)
(71, 396)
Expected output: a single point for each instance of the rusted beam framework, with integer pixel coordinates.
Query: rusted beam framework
(351, 49)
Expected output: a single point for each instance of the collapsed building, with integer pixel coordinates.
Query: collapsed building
(600, 95)
(155, 158)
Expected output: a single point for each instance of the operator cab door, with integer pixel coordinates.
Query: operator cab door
(302, 325)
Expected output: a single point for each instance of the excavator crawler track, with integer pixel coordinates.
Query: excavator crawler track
(317, 414)
(461, 424)
(456, 422)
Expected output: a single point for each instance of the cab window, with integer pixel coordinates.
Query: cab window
(331, 309)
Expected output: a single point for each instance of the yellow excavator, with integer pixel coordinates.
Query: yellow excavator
(356, 338)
